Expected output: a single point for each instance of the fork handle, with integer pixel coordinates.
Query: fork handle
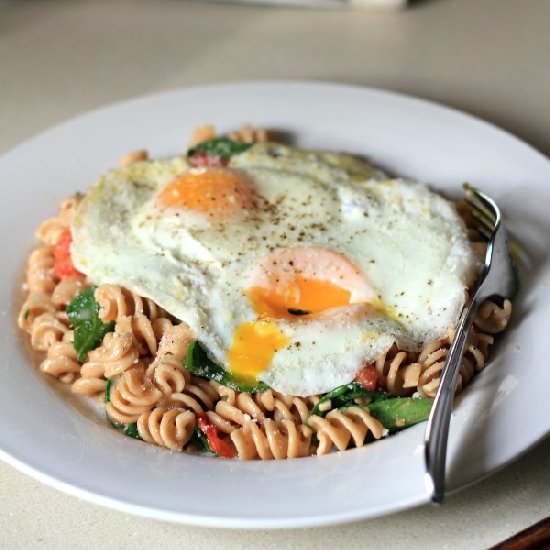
(437, 429)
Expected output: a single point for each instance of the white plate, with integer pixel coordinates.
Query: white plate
(506, 411)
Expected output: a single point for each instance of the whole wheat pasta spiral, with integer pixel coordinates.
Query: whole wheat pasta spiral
(234, 409)
(198, 395)
(175, 340)
(401, 375)
(36, 304)
(50, 230)
(40, 270)
(271, 440)
(90, 386)
(339, 427)
(432, 360)
(286, 407)
(66, 289)
(61, 361)
(492, 318)
(167, 370)
(169, 428)
(115, 355)
(131, 396)
(145, 332)
(43, 315)
(47, 330)
(116, 302)
(249, 134)
(168, 374)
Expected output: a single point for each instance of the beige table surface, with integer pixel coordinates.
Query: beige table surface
(488, 57)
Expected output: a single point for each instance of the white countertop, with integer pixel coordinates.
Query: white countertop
(490, 58)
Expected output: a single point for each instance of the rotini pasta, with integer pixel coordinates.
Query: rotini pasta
(338, 428)
(169, 428)
(271, 440)
(61, 361)
(114, 357)
(132, 395)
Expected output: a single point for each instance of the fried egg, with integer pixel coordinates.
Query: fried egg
(293, 268)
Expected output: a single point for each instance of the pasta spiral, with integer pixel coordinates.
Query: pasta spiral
(36, 304)
(131, 396)
(145, 332)
(65, 290)
(90, 386)
(61, 361)
(40, 270)
(339, 427)
(249, 134)
(491, 318)
(116, 302)
(198, 395)
(114, 356)
(400, 374)
(169, 428)
(46, 330)
(271, 440)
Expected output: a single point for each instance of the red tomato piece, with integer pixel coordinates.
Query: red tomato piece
(201, 158)
(217, 445)
(63, 264)
(369, 378)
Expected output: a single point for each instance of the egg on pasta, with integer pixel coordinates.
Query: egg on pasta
(291, 267)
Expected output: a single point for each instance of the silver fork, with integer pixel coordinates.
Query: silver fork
(498, 279)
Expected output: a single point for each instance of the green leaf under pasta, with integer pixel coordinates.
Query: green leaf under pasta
(394, 413)
(131, 430)
(107, 398)
(348, 395)
(400, 413)
(89, 330)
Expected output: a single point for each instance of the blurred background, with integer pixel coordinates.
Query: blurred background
(58, 58)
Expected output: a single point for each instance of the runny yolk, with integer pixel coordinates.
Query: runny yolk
(216, 192)
(304, 295)
(254, 345)
(305, 280)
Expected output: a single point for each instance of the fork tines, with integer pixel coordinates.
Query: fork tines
(481, 211)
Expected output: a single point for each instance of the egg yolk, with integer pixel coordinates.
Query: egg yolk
(303, 280)
(216, 192)
(254, 345)
(300, 297)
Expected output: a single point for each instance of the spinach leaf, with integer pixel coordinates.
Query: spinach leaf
(219, 147)
(131, 430)
(201, 442)
(345, 396)
(107, 398)
(198, 362)
(400, 412)
(89, 330)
